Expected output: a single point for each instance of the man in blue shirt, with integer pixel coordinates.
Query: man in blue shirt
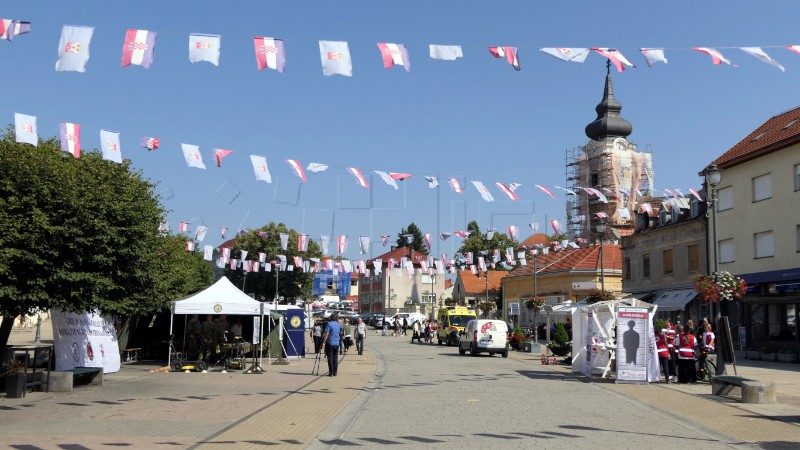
(331, 342)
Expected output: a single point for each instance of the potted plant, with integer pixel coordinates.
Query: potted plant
(15, 378)
(560, 344)
(516, 339)
(599, 295)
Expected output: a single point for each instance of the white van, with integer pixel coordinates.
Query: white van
(481, 335)
(411, 318)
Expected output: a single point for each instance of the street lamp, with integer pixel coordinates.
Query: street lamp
(601, 233)
(713, 176)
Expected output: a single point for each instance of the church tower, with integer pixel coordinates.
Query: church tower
(608, 174)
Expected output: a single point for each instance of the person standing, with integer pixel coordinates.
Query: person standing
(347, 337)
(192, 349)
(709, 340)
(415, 332)
(330, 342)
(209, 334)
(663, 353)
(669, 334)
(686, 343)
(405, 326)
(316, 334)
(361, 334)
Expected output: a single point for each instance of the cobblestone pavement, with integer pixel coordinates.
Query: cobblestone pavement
(404, 395)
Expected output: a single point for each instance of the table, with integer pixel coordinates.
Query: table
(42, 354)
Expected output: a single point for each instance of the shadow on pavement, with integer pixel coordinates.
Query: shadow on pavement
(585, 428)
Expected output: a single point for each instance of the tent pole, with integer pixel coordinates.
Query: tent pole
(169, 352)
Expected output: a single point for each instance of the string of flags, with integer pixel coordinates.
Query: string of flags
(270, 52)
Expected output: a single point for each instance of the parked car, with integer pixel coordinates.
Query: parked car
(412, 317)
(376, 320)
(483, 335)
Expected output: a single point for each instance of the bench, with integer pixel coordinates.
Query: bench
(131, 355)
(750, 391)
(65, 380)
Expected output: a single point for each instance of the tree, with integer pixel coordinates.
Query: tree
(418, 241)
(80, 234)
(291, 284)
(478, 244)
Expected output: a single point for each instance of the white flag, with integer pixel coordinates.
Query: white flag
(260, 168)
(432, 182)
(577, 55)
(335, 57)
(387, 178)
(483, 191)
(109, 146)
(208, 252)
(363, 242)
(446, 52)
(73, 49)
(284, 237)
(653, 55)
(762, 55)
(324, 242)
(200, 233)
(191, 153)
(317, 167)
(204, 47)
(25, 129)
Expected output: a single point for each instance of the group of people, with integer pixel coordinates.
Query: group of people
(335, 338)
(678, 346)
(423, 331)
(204, 338)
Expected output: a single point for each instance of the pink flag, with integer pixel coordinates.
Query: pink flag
(226, 254)
(183, 227)
(270, 53)
(400, 176)
(298, 262)
(556, 226)
(70, 138)
(462, 234)
(545, 190)
(696, 194)
(601, 215)
(150, 143)
(384, 239)
(794, 48)
(512, 232)
(341, 244)
(427, 237)
(455, 186)
(507, 191)
(394, 54)
(11, 27)
(297, 168)
(716, 57)
(359, 176)
(189, 246)
(138, 48)
(302, 242)
(219, 154)
(615, 57)
(509, 53)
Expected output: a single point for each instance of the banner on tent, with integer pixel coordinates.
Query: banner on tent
(632, 332)
(84, 340)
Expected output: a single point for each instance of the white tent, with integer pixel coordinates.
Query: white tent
(221, 297)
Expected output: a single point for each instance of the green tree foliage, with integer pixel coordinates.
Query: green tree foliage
(418, 242)
(560, 337)
(477, 242)
(81, 234)
(291, 285)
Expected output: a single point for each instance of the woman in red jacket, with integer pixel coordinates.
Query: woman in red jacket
(686, 367)
(663, 352)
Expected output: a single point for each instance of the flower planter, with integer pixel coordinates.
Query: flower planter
(769, 357)
(753, 355)
(787, 357)
(15, 386)
(562, 350)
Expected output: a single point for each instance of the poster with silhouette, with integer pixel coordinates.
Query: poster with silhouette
(632, 333)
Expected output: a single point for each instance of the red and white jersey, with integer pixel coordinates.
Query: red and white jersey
(709, 340)
(686, 343)
(669, 333)
(661, 345)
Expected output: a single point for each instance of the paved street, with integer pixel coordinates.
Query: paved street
(399, 394)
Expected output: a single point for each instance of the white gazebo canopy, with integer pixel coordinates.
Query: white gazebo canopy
(221, 297)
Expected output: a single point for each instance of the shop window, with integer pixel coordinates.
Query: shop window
(666, 260)
(646, 265)
(693, 253)
(727, 251)
(764, 244)
(762, 187)
(725, 198)
(781, 322)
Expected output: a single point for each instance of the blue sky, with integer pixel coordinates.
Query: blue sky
(475, 118)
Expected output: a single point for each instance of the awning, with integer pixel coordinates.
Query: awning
(641, 295)
(675, 299)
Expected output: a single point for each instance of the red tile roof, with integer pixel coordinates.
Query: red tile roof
(775, 134)
(474, 285)
(574, 259)
(230, 243)
(536, 238)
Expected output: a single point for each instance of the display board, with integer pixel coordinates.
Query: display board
(632, 356)
(84, 340)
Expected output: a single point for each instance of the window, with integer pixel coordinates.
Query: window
(354, 282)
(693, 252)
(626, 271)
(797, 177)
(726, 251)
(762, 187)
(725, 198)
(646, 265)
(428, 298)
(666, 260)
(765, 246)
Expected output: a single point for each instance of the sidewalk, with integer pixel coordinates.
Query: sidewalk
(770, 425)
(285, 406)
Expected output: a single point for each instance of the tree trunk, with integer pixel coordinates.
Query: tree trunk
(5, 332)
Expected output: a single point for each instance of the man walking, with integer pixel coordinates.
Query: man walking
(361, 334)
(316, 333)
(331, 343)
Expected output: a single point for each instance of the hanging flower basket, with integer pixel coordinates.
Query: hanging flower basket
(599, 295)
(719, 286)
